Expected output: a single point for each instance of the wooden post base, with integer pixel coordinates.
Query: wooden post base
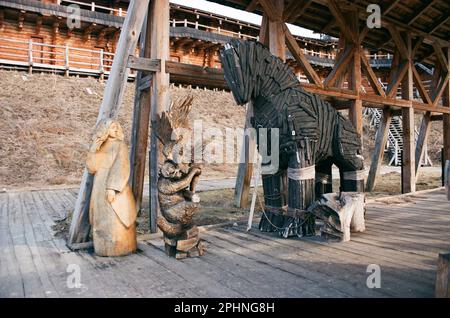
(341, 213)
(442, 279)
(190, 245)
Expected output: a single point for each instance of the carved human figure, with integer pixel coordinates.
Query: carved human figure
(112, 212)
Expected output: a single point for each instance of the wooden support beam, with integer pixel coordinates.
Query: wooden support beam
(144, 64)
(408, 158)
(297, 52)
(277, 44)
(399, 43)
(362, 34)
(442, 289)
(295, 9)
(264, 30)
(112, 98)
(340, 66)
(141, 114)
(419, 85)
(422, 139)
(390, 7)
(327, 28)
(195, 75)
(440, 90)
(417, 44)
(272, 32)
(378, 153)
(341, 21)
(371, 74)
(160, 92)
(440, 22)
(397, 76)
(418, 13)
(355, 78)
(441, 58)
(245, 169)
(446, 119)
(272, 9)
(252, 5)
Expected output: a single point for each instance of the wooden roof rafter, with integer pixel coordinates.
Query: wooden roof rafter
(318, 18)
(425, 7)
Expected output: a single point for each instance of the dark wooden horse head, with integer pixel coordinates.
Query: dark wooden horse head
(252, 71)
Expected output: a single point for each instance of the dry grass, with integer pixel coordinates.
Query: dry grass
(47, 121)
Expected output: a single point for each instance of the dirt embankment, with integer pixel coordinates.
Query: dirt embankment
(46, 123)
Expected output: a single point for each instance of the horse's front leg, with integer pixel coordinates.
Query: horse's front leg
(301, 180)
(273, 198)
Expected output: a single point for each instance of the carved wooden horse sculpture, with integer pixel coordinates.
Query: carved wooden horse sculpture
(313, 136)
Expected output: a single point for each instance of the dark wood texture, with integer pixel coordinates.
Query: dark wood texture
(312, 133)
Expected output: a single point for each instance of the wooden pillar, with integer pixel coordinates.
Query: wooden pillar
(408, 159)
(446, 119)
(271, 34)
(141, 121)
(355, 111)
(277, 44)
(160, 92)
(112, 99)
(441, 286)
(380, 144)
(425, 127)
(245, 169)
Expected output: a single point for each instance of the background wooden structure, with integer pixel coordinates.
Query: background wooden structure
(411, 31)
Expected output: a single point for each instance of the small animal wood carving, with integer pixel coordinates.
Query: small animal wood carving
(313, 136)
(112, 211)
(177, 184)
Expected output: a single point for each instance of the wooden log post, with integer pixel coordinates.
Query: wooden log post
(159, 16)
(446, 119)
(271, 34)
(79, 227)
(355, 111)
(442, 289)
(141, 122)
(425, 127)
(380, 144)
(427, 97)
(408, 159)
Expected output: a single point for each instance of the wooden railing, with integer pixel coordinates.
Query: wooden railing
(57, 57)
(93, 7)
(69, 59)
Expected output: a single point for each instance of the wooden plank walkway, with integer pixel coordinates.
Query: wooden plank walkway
(403, 239)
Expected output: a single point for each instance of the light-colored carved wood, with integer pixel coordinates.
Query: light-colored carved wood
(112, 212)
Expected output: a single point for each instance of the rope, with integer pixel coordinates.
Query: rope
(277, 227)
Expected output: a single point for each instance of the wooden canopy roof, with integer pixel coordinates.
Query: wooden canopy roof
(427, 19)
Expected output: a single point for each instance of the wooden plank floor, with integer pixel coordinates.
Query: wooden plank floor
(403, 239)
